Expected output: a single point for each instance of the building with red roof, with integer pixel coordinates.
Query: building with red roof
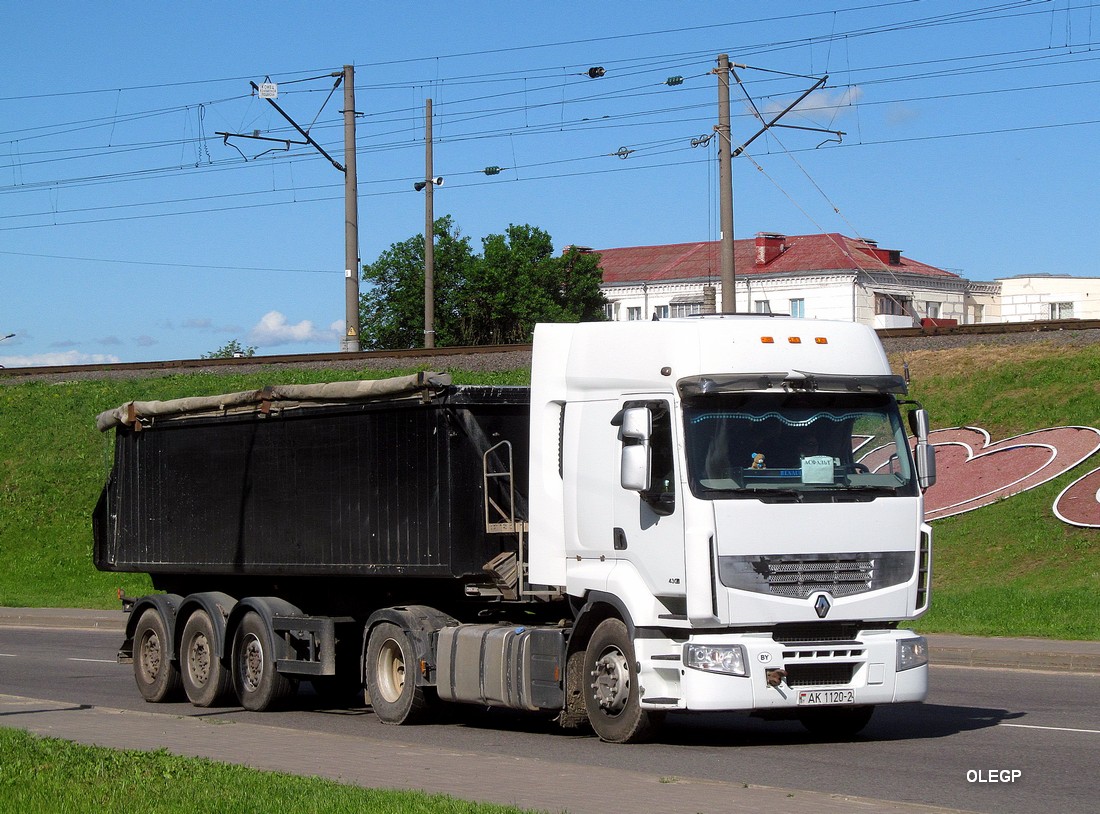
(822, 276)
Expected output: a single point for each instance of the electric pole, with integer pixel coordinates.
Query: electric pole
(351, 218)
(429, 231)
(269, 91)
(725, 186)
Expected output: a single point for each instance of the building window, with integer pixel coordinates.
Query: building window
(1061, 310)
(634, 312)
(609, 310)
(685, 309)
(798, 308)
(932, 309)
(979, 313)
(892, 304)
(762, 307)
(660, 311)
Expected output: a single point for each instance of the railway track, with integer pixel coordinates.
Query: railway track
(414, 356)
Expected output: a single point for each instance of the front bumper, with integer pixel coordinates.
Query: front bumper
(866, 665)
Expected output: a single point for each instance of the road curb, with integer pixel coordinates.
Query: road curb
(69, 618)
(1014, 654)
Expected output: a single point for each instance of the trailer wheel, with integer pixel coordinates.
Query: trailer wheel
(836, 722)
(257, 683)
(391, 682)
(158, 679)
(612, 697)
(205, 679)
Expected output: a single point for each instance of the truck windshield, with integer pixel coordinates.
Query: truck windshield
(797, 446)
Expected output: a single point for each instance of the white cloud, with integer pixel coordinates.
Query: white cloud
(897, 115)
(70, 357)
(273, 329)
(830, 103)
(208, 326)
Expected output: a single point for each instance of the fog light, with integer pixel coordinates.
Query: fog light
(726, 658)
(912, 653)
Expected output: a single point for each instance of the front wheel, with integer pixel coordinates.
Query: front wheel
(158, 679)
(205, 679)
(612, 697)
(390, 678)
(258, 684)
(836, 722)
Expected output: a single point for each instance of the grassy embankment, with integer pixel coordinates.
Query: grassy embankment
(45, 776)
(1010, 569)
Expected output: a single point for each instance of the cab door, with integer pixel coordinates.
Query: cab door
(647, 511)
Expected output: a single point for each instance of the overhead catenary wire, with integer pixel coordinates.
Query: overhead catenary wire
(636, 118)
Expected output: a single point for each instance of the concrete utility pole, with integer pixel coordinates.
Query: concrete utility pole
(351, 219)
(429, 231)
(725, 187)
(352, 269)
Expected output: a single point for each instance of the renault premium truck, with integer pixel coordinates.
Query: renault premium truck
(699, 515)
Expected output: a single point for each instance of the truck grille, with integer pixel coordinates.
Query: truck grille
(816, 632)
(798, 579)
(820, 675)
(800, 576)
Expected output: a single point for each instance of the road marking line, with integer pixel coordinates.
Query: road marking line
(97, 661)
(8, 656)
(1054, 728)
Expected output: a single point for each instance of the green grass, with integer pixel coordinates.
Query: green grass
(1010, 569)
(49, 776)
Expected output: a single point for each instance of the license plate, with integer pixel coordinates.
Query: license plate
(823, 698)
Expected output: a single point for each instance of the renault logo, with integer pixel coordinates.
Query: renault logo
(822, 605)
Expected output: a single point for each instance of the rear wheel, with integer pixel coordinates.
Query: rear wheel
(158, 679)
(256, 681)
(205, 679)
(612, 697)
(836, 722)
(390, 675)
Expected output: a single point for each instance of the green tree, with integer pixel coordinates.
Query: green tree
(391, 312)
(230, 350)
(493, 298)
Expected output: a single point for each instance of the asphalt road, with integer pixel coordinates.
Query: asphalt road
(1046, 726)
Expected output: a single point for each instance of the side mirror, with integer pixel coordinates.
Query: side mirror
(637, 424)
(918, 423)
(926, 464)
(924, 453)
(635, 464)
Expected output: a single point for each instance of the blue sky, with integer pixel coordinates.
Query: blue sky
(129, 231)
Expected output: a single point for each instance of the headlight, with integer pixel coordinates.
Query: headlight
(912, 653)
(727, 658)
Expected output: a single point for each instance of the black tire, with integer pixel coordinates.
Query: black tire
(611, 695)
(158, 679)
(258, 684)
(836, 722)
(390, 674)
(206, 680)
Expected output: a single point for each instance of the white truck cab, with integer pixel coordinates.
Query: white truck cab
(742, 490)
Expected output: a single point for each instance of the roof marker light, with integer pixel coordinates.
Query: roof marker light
(794, 340)
(821, 340)
(767, 340)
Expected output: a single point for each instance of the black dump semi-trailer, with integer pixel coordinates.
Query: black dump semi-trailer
(301, 532)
